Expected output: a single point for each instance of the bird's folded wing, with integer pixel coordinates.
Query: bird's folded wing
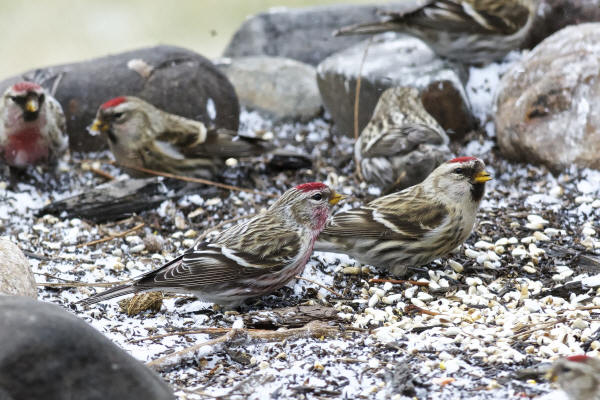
(462, 16)
(208, 264)
(401, 140)
(469, 16)
(409, 218)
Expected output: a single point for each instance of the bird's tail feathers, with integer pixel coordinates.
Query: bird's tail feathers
(111, 293)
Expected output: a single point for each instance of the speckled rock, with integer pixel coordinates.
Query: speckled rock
(280, 87)
(16, 277)
(48, 353)
(304, 34)
(554, 15)
(393, 60)
(177, 80)
(547, 108)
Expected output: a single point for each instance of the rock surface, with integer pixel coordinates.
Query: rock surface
(47, 353)
(177, 80)
(304, 34)
(547, 108)
(554, 15)
(282, 88)
(393, 60)
(16, 277)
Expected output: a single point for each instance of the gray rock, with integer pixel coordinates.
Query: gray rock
(393, 60)
(174, 79)
(302, 34)
(554, 15)
(47, 353)
(282, 88)
(16, 277)
(547, 104)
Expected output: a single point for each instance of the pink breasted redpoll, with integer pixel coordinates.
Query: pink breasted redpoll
(468, 31)
(402, 143)
(141, 135)
(249, 259)
(414, 226)
(578, 376)
(32, 130)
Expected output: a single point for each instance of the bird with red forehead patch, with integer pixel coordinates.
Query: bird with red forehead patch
(249, 259)
(414, 226)
(33, 126)
(578, 376)
(143, 136)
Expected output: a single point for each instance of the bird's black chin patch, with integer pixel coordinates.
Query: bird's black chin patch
(111, 136)
(477, 191)
(30, 116)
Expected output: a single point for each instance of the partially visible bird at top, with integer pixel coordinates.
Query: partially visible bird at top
(32, 126)
(402, 143)
(467, 31)
(414, 226)
(141, 135)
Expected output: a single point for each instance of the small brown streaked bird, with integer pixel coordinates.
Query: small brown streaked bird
(467, 31)
(250, 259)
(414, 226)
(141, 135)
(400, 136)
(33, 126)
(578, 376)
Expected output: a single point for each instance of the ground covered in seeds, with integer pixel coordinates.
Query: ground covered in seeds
(521, 292)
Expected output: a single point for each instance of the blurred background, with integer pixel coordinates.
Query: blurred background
(37, 34)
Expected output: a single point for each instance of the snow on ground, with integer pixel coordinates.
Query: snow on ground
(497, 305)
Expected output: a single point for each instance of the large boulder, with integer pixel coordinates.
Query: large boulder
(304, 34)
(547, 104)
(392, 60)
(554, 15)
(48, 353)
(280, 87)
(174, 79)
(16, 277)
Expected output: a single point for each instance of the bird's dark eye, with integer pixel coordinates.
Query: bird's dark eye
(317, 197)
(459, 171)
(117, 115)
(42, 98)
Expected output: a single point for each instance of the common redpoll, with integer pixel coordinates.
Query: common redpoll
(414, 226)
(249, 259)
(141, 135)
(578, 376)
(33, 129)
(468, 31)
(402, 143)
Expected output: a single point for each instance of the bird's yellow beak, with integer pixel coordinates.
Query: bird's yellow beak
(481, 177)
(32, 105)
(335, 198)
(98, 126)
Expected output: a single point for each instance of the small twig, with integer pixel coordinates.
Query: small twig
(102, 173)
(223, 223)
(330, 290)
(412, 308)
(197, 180)
(399, 281)
(173, 358)
(111, 237)
(543, 325)
(357, 102)
(314, 329)
(81, 284)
